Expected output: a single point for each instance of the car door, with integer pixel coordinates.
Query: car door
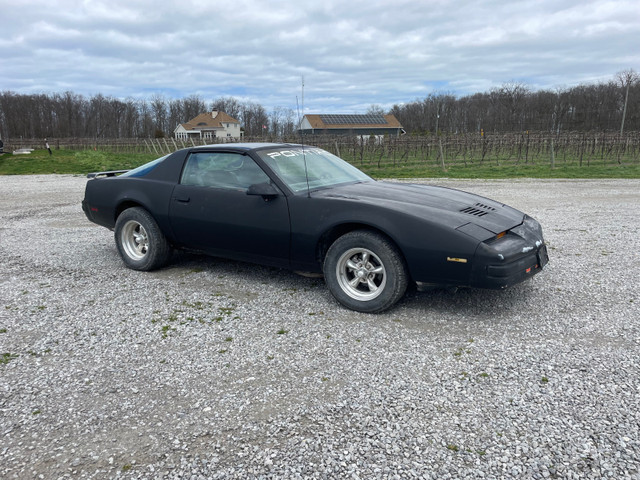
(211, 211)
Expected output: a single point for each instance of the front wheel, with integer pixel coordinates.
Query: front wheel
(365, 272)
(140, 242)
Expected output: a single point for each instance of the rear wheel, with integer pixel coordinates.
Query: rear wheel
(139, 240)
(365, 272)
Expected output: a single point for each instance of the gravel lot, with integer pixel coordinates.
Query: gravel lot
(216, 369)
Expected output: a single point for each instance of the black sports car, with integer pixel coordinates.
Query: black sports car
(304, 209)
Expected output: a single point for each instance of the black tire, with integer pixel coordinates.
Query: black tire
(365, 271)
(141, 244)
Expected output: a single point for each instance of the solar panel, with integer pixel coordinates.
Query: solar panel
(368, 119)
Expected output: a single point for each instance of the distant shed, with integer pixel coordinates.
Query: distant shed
(337, 124)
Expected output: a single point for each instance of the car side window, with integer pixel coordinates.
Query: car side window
(222, 170)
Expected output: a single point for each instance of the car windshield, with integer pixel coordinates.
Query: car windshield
(144, 169)
(297, 165)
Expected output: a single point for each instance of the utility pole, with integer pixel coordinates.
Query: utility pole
(624, 109)
(626, 78)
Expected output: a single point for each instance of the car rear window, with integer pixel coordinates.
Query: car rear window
(142, 170)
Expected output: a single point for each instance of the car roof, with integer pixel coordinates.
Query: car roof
(243, 146)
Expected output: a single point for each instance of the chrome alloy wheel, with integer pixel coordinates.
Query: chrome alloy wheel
(135, 240)
(361, 274)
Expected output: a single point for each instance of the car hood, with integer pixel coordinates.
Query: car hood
(441, 205)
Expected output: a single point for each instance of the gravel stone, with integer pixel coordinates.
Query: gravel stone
(212, 369)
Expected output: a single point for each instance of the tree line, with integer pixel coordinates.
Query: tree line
(71, 115)
(513, 107)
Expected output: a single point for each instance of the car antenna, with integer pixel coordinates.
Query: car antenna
(304, 156)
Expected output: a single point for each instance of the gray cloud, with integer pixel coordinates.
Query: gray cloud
(351, 54)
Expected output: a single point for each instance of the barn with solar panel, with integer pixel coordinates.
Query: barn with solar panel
(359, 125)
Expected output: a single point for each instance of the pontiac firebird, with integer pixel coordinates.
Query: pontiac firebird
(304, 209)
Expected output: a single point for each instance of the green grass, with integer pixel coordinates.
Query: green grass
(7, 357)
(501, 166)
(85, 161)
(504, 170)
(70, 162)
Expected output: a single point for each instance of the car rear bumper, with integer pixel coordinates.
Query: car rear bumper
(92, 215)
(85, 209)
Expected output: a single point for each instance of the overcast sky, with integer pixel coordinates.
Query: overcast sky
(351, 53)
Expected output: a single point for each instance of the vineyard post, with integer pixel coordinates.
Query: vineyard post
(484, 148)
(395, 144)
(153, 145)
(520, 141)
(406, 152)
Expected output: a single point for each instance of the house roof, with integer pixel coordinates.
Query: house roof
(209, 120)
(333, 121)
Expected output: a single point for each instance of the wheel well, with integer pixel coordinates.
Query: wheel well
(331, 235)
(123, 206)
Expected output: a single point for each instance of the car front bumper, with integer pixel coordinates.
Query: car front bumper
(518, 255)
(503, 275)
(499, 262)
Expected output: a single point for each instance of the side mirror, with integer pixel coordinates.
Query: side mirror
(266, 190)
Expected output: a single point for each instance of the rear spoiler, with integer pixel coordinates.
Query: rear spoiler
(110, 173)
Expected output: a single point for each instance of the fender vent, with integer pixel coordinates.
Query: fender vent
(478, 210)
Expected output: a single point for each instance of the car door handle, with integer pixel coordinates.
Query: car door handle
(182, 199)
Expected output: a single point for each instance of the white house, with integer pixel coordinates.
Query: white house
(209, 125)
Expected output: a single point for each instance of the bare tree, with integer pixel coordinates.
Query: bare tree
(159, 111)
(375, 109)
(192, 106)
(254, 118)
(229, 105)
(131, 119)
